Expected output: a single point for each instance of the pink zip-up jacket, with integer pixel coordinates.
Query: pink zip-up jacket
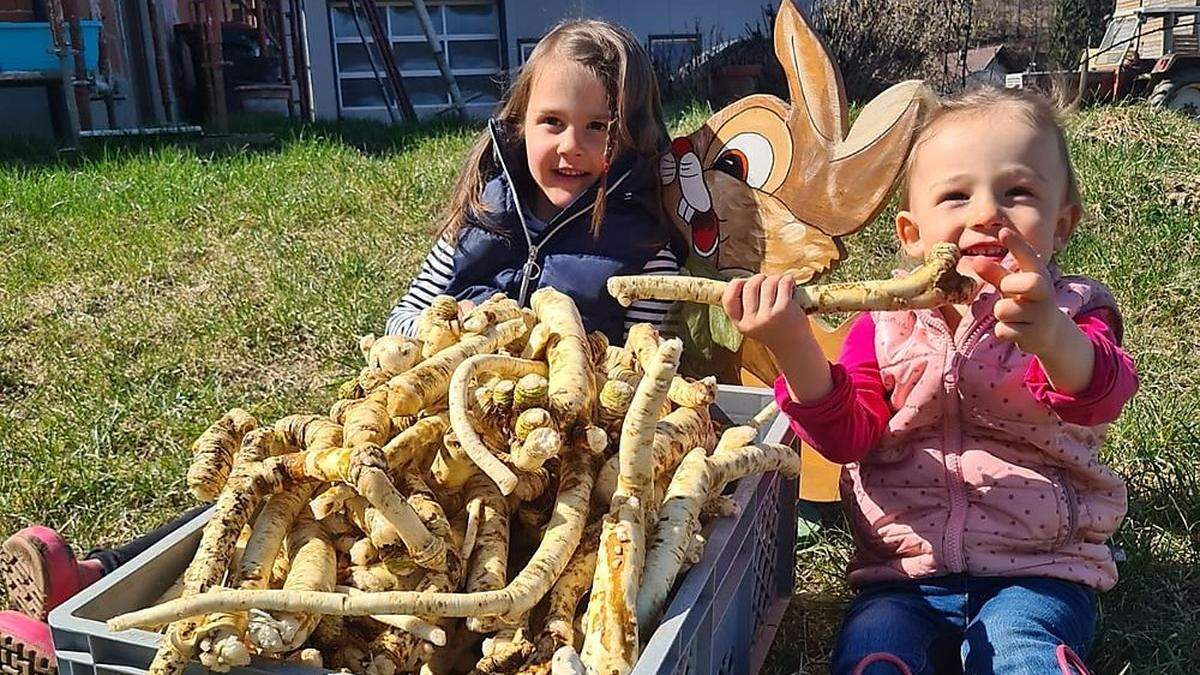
(960, 457)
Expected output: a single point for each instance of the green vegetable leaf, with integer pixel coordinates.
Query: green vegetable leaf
(722, 329)
(692, 320)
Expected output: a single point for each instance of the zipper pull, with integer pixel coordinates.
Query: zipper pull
(529, 271)
(950, 378)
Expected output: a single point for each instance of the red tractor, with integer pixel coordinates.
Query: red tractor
(1151, 48)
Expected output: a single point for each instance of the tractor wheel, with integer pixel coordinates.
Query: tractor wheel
(1179, 91)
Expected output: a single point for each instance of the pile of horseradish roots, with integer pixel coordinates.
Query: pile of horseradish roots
(506, 493)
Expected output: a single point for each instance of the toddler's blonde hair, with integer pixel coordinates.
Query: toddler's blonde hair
(1039, 111)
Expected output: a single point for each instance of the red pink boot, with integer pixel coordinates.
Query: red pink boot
(25, 646)
(40, 571)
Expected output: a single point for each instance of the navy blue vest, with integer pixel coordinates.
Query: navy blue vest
(493, 258)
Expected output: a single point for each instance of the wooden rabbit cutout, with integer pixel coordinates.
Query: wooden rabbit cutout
(765, 186)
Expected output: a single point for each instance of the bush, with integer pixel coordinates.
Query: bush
(1077, 24)
(881, 42)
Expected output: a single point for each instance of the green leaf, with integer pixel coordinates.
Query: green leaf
(693, 324)
(722, 329)
(698, 268)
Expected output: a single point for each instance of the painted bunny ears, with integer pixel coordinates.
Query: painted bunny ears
(829, 175)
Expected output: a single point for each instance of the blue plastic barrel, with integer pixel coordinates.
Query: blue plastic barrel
(28, 45)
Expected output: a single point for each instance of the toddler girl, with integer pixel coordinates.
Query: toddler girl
(979, 509)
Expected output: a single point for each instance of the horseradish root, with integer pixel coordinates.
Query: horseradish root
(933, 284)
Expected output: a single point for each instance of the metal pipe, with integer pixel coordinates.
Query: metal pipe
(387, 102)
(79, 84)
(107, 11)
(143, 131)
(388, 56)
(62, 49)
(300, 49)
(439, 56)
(166, 88)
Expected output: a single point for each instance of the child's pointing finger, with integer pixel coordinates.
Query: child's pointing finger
(1027, 259)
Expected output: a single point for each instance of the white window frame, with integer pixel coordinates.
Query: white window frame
(525, 47)
(446, 38)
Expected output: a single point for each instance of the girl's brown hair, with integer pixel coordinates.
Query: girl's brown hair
(616, 58)
(1040, 112)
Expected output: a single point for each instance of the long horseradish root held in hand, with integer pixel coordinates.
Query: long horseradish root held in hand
(933, 284)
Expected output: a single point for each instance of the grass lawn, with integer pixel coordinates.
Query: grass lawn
(147, 288)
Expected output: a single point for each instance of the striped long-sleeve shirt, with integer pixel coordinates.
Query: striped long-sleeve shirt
(438, 267)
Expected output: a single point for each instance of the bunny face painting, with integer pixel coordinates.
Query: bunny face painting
(765, 186)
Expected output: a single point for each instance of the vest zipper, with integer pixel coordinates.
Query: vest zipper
(952, 446)
(531, 269)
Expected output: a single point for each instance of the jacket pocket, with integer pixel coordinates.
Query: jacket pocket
(1100, 512)
(1068, 506)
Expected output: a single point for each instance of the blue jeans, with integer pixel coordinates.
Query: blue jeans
(977, 625)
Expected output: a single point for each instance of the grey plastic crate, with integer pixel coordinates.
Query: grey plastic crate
(83, 643)
(725, 611)
(721, 620)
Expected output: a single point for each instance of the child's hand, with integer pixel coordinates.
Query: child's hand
(1026, 314)
(761, 307)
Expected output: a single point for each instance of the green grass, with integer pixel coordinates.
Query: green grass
(147, 287)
